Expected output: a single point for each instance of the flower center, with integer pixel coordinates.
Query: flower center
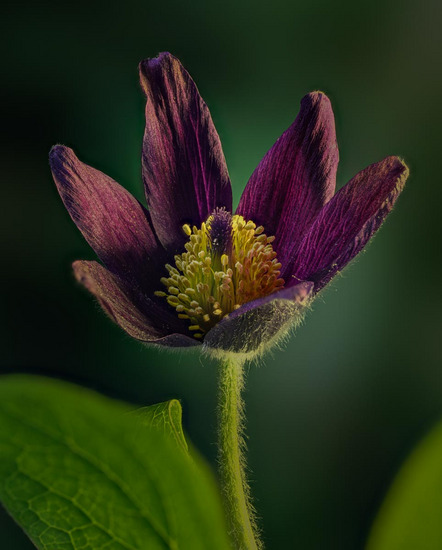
(228, 262)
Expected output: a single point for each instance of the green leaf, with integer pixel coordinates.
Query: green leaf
(166, 417)
(78, 472)
(411, 515)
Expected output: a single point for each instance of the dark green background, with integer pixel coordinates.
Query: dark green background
(332, 416)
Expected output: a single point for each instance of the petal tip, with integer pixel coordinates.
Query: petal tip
(56, 152)
(397, 166)
(315, 98)
(316, 106)
(403, 166)
(151, 63)
(58, 156)
(80, 268)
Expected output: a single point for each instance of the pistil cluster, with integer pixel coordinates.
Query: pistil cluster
(228, 262)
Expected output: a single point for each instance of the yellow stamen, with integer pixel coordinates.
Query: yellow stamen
(207, 283)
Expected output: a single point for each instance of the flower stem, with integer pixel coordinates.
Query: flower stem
(240, 512)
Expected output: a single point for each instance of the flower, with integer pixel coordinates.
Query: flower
(185, 271)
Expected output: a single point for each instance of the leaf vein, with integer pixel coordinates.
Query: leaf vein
(105, 471)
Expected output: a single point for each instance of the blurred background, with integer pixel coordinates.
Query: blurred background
(332, 417)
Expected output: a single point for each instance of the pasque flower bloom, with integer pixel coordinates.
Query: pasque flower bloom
(185, 271)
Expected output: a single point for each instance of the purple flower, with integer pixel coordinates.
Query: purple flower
(185, 271)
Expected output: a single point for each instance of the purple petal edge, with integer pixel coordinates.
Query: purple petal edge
(113, 222)
(296, 177)
(249, 329)
(175, 340)
(139, 316)
(184, 170)
(347, 222)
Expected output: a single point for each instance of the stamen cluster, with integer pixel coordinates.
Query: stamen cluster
(228, 262)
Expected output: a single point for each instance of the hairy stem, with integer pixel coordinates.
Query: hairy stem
(240, 512)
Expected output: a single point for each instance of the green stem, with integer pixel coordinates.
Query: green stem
(240, 512)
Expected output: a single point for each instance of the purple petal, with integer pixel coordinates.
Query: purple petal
(347, 222)
(258, 324)
(184, 169)
(296, 177)
(140, 317)
(176, 341)
(113, 222)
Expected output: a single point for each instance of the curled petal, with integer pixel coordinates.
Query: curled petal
(140, 317)
(184, 170)
(113, 222)
(296, 177)
(347, 222)
(260, 323)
